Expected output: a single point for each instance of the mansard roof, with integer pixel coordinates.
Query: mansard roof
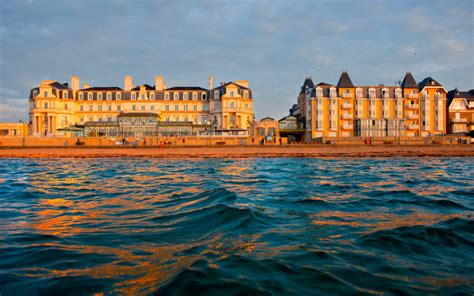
(409, 81)
(102, 88)
(147, 87)
(345, 81)
(308, 83)
(324, 84)
(228, 83)
(455, 93)
(428, 81)
(186, 88)
(59, 85)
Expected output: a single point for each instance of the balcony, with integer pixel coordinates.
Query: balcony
(412, 116)
(347, 126)
(346, 106)
(413, 126)
(346, 116)
(412, 96)
(411, 106)
(347, 95)
(458, 120)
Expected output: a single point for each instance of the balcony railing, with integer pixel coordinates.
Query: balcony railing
(413, 126)
(458, 120)
(346, 106)
(412, 96)
(412, 116)
(346, 116)
(347, 126)
(349, 95)
(411, 106)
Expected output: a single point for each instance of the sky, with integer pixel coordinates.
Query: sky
(273, 44)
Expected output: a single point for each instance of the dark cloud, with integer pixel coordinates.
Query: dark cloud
(274, 44)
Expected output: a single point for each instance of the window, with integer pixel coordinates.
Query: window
(143, 97)
(81, 119)
(143, 107)
(99, 108)
(100, 119)
(45, 94)
(152, 96)
(65, 94)
(109, 107)
(90, 118)
(167, 96)
(90, 107)
(99, 96)
(216, 95)
(231, 94)
(134, 107)
(185, 107)
(332, 92)
(167, 107)
(195, 119)
(195, 96)
(231, 104)
(176, 107)
(167, 119)
(204, 107)
(119, 108)
(81, 107)
(185, 96)
(109, 97)
(176, 96)
(203, 96)
(109, 118)
(176, 118)
(46, 105)
(246, 94)
(81, 96)
(90, 96)
(118, 96)
(134, 96)
(359, 93)
(246, 106)
(185, 119)
(195, 107)
(204, 119)
(152, 107)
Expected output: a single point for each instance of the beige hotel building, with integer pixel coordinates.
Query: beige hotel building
(409, 109)
(55, 108)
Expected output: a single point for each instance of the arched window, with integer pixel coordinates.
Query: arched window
(176, 96)
(195, 96)
(90, 96)
(118, 96)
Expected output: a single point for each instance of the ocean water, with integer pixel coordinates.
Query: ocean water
(272, 226)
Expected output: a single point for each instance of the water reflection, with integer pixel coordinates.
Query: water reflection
(140, 226)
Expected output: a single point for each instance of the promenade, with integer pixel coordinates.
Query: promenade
(319, 151)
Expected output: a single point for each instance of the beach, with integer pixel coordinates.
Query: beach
(243, 151)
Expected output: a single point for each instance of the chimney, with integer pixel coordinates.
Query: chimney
(127, 83)
(75, 83)
(86, 85)
(211, 79)
(159, 82)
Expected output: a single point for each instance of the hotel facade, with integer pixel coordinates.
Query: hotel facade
(58, 108)
(343, 110)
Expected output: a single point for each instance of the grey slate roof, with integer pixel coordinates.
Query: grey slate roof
(409, 81)
(428, 81)
(345, 81)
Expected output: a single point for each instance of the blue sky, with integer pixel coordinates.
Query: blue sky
(273, 44)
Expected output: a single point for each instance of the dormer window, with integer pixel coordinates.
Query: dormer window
(185, 96)
(152, 96)
(134, 96)
(109, 96)
(167, 96)
(319, 92)
(372, 93)
(359, 93)
(232, 94)
(332, 92)
(64, 94)
(45, 94)
(118, 96)
(99, 96)
(176, 96)
(81, 96)
(195, 96)
(246, 94)
(90, 96)
(204, 96)
(216, 95)
(143, 97)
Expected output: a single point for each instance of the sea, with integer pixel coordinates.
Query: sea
(257, 226)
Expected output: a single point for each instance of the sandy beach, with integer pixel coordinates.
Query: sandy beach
(243, 152)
